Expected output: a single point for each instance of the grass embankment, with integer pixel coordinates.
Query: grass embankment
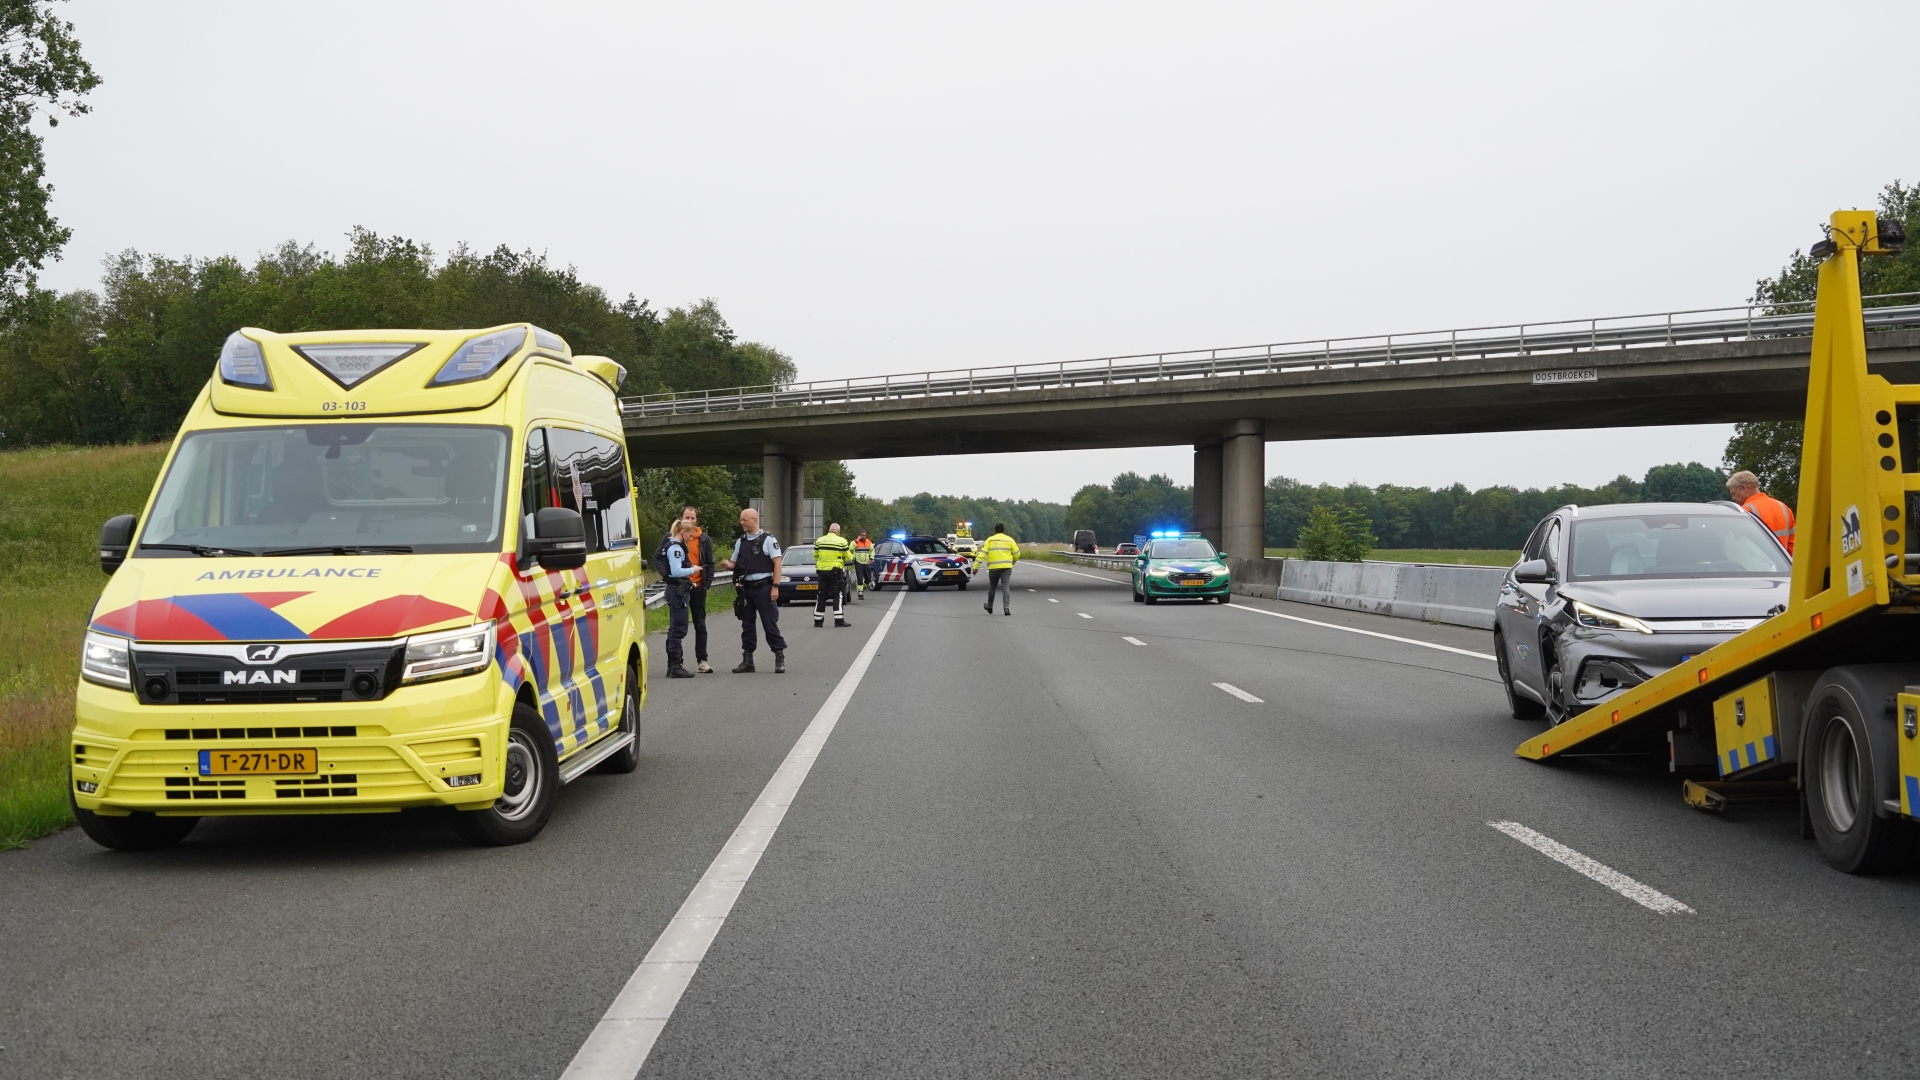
(719, 601)
(1445, 556)
(52, 502)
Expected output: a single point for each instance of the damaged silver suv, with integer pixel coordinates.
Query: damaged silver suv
(1607, 597)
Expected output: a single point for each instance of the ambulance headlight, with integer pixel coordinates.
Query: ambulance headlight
(103, 660)
(243, 364)
(448, 653)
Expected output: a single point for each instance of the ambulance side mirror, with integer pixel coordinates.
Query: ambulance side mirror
(559, 540)
(115, 537)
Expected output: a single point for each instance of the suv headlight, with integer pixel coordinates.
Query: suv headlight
(448, 653)
(104, 660)
(1602, 619)
(1158, 571)
(1219, 571)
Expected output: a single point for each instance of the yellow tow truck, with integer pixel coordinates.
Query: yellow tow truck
(1821, 702)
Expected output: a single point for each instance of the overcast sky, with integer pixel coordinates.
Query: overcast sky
(891, 188)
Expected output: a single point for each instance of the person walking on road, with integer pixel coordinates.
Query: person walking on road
(998, 555)
(830, 554)
(700, 554)
(1744, 488)
(756, 580)
(670, 559)
(862, 563)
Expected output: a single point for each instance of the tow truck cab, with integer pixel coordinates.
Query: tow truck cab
(381, 569)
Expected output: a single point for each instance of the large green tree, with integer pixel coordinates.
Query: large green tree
(41, 73)
(1770, 449)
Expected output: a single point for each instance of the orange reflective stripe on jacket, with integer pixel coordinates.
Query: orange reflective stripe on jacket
(1774, 514)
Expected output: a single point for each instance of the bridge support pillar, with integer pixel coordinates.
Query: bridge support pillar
(783, 486)
(1243, 483)
(1206, 491)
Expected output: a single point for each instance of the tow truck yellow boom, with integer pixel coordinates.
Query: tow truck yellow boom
(1821, 699)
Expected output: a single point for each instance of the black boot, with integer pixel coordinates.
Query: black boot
(780, 663)
(987, 607)
(746, 664)
(678, 671)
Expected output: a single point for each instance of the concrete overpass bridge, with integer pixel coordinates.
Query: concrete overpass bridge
(1684, 367)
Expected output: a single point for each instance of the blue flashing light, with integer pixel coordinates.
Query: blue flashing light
(899, 536)
(243, 364)
(479, 357)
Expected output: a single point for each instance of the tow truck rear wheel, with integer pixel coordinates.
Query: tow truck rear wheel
(629, 759)
(135, 832)
(1838, 776)
(532, 781)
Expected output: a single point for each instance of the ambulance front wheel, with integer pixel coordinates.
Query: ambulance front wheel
(532, 782)
(136, 832)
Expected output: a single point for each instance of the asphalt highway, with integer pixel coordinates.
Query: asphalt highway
(1095, 838)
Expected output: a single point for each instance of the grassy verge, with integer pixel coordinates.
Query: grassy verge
(1453, 556)
(719, 601)
(52, 502)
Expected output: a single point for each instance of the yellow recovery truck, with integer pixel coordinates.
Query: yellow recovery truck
(1822, 700)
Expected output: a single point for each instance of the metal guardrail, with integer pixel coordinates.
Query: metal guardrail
(656, 591)
(1564, 337)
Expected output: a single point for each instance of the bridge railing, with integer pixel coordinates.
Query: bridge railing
(1562, 338)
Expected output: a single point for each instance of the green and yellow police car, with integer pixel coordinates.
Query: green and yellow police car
(1180, 565)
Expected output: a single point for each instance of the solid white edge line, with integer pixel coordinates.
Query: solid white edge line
(1316, 622)
(623, 1038)
(1135, 640)
(1239, 693)
(1645, 895)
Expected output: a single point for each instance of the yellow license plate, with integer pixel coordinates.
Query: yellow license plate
(805, 585)
(259, 762)
(950, 573)
(1193, 581)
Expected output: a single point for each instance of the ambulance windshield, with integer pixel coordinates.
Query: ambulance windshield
(314, 489)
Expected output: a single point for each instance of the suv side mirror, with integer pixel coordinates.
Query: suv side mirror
(115, 537)
(559, 540)
(1533, 572)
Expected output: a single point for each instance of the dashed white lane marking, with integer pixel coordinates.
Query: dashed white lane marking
(1051, 600)
(1645, 895)
(1033, 590)
(1135, 640)
(620, 1043)
(1315, 622)
(1239, 693)
(1083, 614)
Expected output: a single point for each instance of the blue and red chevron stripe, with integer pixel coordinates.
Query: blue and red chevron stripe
(251, 617)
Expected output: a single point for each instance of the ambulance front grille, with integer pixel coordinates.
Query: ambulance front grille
(371, 773)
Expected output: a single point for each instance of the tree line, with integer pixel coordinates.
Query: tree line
(1393, 515)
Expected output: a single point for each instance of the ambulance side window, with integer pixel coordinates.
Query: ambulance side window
(536, 480)
(590, 476)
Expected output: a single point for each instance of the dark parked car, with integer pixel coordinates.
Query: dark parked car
(1083, 542)
(799, 577)
(1607, 597)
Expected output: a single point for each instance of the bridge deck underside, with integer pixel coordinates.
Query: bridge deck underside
(1686, 384)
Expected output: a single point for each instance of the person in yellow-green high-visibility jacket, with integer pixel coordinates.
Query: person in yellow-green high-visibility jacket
(998, 555)
(830, 555)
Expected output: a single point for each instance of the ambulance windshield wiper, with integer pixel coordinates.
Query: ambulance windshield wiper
(349, 549)
(200, 549)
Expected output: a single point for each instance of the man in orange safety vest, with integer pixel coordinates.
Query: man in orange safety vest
(1744, 488)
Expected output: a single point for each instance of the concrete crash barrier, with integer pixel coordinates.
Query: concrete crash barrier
(1430, 592)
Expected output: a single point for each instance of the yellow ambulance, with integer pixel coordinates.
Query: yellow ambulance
(381, 569)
